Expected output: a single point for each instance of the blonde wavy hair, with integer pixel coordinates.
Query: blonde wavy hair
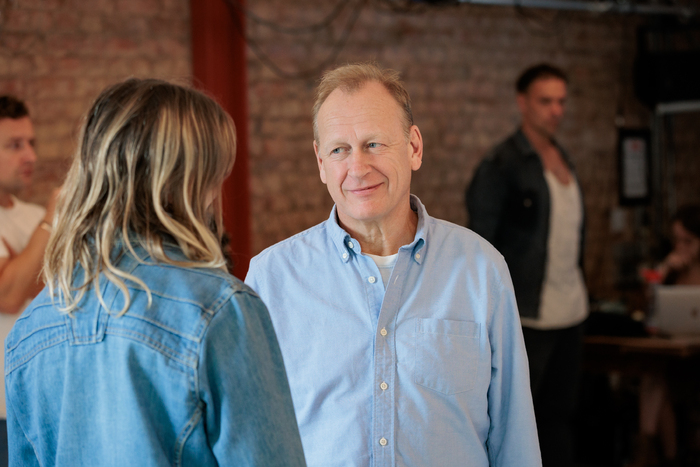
(149, 167)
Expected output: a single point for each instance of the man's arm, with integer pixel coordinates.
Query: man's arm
(20, 273)
(513, 434)
(485, 199)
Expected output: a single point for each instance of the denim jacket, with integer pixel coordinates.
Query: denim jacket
(508, 203)
(196, 378)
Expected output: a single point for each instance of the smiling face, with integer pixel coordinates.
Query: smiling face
(365, 158)
(17, 156)
(542, 105)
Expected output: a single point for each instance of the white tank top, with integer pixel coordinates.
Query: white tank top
(563, 302)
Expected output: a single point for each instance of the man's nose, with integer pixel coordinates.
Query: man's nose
(558, 110)
(29, 154)
(359, 163)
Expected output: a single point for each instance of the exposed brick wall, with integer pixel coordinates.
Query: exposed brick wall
(59, 54)
(459, 64)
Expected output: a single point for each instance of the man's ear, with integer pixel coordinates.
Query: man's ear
(319, 161)
(415, 145)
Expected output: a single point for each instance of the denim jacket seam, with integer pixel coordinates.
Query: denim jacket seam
(205, 318)
(161, 326)
(186, 432)
(35, 350)
(34, 331)
(176, 299)
(164, 350)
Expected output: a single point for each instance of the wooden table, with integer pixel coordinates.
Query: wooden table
(635, 356)
(681, 347)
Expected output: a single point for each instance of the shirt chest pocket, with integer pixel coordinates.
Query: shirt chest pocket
(447, 355)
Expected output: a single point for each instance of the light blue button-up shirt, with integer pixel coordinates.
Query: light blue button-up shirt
(429, 371)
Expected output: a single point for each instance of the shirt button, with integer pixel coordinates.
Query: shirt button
(417, 256)
(382, 441)
(345, 256)
(350, 245)
(384, 386)
(383, 332)
(372, 279)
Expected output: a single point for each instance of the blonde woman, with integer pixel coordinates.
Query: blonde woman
(142, 350)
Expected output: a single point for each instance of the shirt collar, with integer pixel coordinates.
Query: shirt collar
(347, 247)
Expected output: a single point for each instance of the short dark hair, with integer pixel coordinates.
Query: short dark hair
(11, 107)
(543, 70)
(689, 217)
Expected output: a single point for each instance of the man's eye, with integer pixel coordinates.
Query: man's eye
(336, 151)
(373, 145)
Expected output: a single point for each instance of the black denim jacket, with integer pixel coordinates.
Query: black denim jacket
(508, 203)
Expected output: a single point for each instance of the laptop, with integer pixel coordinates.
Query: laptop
(677, 310)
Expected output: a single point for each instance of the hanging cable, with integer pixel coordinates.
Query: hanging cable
(235, 9)
(310, 28)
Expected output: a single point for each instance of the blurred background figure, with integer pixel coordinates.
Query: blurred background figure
(525, 200)
(682, 265)
(24, 228)
(142, 349)
(657, 417)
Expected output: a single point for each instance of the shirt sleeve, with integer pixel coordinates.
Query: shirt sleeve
(249, 417)
(513, 434)
(20, 450)
(251, 277)
(485, 199)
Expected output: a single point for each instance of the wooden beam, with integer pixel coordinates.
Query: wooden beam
(219, 68)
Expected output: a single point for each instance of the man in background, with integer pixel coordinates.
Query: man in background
(525, 200)
(399, 331)
(24, 228)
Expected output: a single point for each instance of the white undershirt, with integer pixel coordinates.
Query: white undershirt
(563, 301)
(385, 265)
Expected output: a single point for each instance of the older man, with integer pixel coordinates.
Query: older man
(399, 331)
(24, 227)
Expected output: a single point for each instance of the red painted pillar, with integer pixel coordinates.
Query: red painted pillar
(219, 68)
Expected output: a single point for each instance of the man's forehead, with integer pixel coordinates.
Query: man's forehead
(371, 98)
(374, 88)
(16, 127)
(547, 84)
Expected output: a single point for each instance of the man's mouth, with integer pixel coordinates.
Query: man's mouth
(365, 190)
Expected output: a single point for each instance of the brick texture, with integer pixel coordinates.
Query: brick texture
(58, 55)
(459, 64)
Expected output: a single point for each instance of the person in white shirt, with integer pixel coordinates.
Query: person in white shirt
(525, 200)
(24, 228)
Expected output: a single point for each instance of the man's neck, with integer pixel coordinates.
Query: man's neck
(383, 238)
(540, 142)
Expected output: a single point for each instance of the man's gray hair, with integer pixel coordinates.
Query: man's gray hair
(352, 77)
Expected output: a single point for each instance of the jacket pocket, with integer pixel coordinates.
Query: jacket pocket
(447, 355)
